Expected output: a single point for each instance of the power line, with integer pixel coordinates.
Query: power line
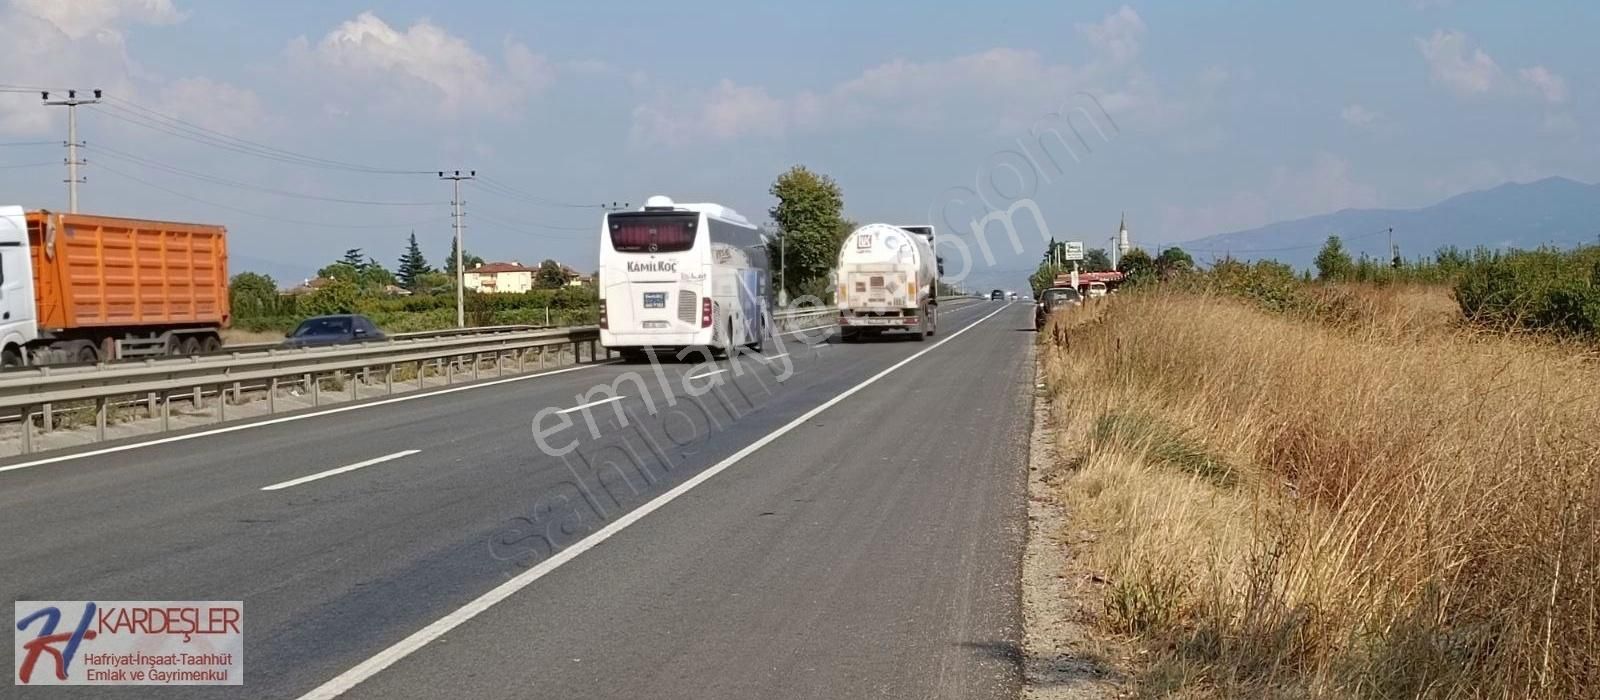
(270, 217)
(214, 179)
(495, 187)
(513, 228)
(29, 165)
(178, 128)
(10, 144)
(514, 222)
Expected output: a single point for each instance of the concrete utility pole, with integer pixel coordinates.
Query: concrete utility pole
(455, 218)
(71, 103)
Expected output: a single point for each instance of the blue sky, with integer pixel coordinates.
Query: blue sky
(1224, 117)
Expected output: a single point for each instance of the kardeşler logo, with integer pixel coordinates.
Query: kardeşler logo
(654, 266)
(129, 643)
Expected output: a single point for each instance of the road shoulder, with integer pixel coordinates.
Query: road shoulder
(1064, 658)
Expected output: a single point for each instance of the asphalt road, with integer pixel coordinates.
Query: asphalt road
(871, 550)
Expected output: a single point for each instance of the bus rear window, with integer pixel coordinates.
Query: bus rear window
(646, 232)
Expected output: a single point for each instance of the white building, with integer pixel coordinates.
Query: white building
(500, 277)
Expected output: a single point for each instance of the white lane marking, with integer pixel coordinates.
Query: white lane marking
(703, 375)
(582, 406)
(286, 419)
(774, 357)
(315, 414)
(405, 647)
(340, 470)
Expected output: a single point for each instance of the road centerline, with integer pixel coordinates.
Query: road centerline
(340, 470)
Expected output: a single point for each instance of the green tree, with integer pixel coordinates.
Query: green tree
(435, 282)
(467, 259)
(340, 270)
(1174, 260)
(810, 222)
(252, 295)
(354, 258)
(412, 265)
(1096, 260)
(336, 297)
(1333, 261)
(1137, 265)
(373, 275)
(550, 275)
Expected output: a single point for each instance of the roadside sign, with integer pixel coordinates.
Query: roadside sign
(1072, 251)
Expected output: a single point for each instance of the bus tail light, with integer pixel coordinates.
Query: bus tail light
(705, 312)
(603, 321)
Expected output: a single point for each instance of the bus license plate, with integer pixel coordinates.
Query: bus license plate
(655, 300)
(655, 324)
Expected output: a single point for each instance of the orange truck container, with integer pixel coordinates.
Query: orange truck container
(115, 286)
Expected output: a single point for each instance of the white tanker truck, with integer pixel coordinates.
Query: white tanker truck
(887, 279)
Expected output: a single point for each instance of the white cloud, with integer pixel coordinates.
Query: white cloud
(1553, 87)
(1117, 36)
(81, 18)
(1452, 63)
(1356, 115)
(213, 104)
(60, 44)
(1003, 87)
(1325, 185)
(423, 69)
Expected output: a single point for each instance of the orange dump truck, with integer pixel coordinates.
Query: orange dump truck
(85, 288)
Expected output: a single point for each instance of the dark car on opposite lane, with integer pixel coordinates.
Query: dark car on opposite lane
(339, 329)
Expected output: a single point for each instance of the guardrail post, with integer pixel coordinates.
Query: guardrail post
(222, 403)
(388, 378)
(48, 422)
(150, 405)
(477, 360)
(272, 396)
(355, 384)
(592, 358)
(541, 357)
(166, 411)
(316, 389)
(237, 390)
(576, 358)
(522, 359)
(101, 408)
(199, 399)
(27, 429)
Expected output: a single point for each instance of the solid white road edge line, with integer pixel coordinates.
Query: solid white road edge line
(712, 373)
(582, 406)
(340, 470)
(298, 416)
(403, 648)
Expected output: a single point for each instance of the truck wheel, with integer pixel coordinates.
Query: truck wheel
(87, 353)
(849, 335)
(11, 357)
(190, 345)
(211, 344)
(933, 320)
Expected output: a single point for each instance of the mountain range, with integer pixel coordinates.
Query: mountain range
(1554, 211)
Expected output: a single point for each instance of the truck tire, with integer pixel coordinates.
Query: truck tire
(86, 353)
(211, 343)
(849, 335)
(189, 345)
(933, 319)
(10, 357)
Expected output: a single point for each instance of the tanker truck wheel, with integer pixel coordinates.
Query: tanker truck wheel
(11, 357)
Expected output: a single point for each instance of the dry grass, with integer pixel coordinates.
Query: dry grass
(1381, 506)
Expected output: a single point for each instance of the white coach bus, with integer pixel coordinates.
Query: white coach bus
(675, 276)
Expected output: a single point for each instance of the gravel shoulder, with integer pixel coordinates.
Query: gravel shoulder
(1064, 659)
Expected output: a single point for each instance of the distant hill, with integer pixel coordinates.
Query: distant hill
(1553, 211)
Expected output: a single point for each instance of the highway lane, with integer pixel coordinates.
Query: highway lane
(334, 569)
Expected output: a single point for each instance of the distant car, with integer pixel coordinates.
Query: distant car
(1052, 299)
(997, 295)
(340, 329)
(1013, 296)
(1097, 290)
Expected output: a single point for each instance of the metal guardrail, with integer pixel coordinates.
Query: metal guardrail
(37, 393)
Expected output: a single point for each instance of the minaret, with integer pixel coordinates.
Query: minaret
(1122, 235)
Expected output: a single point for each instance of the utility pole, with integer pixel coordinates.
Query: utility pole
(455, 218)
(71, 103)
